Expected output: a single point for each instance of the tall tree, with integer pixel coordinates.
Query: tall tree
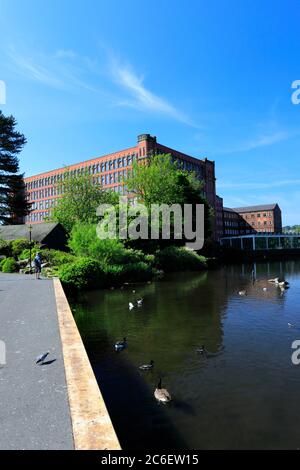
(17, 201)
(79, 200)
(13, 201)
(162, 181)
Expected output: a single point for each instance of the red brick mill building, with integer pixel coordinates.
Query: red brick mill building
(109, 171)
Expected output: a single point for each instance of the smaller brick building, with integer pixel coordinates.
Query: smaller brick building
(253, 219)
(262, 218)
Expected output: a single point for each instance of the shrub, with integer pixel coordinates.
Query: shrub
(138, 271)
(84, 242)
(19, 245)
(81, 274)
(86, 273)
(174, 258)
(57, 258)
(5, 248)
(25, 254)
(113, 275)
(9, 265)
(2, 261)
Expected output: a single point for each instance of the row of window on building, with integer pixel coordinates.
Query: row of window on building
(37, 216)
(49, 203)
(102, 167)
(259, 224)
(258, 215)
(91, 169)
(104, 180)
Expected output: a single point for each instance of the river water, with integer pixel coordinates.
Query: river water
(242, 394)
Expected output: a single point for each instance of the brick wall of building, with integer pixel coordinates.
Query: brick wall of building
(109, 171)
(264, 218)
(253, 219)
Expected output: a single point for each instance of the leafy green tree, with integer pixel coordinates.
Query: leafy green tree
(13, 202)
(79, 200)
(155, 182)
(162, 181)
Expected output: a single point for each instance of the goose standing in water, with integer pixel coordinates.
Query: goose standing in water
(242, 293)
(280, 282)
(147, 366)
(130, 306)
(274, 281)
(283, 284)
(161, 394)
(121, 345)
(140, 302)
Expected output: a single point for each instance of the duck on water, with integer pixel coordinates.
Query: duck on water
(119, 345)
(147, 366)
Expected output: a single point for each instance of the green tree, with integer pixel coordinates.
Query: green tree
(13, 201)
(155, 182)
(79, 200)
(17, 201)
(162, 181)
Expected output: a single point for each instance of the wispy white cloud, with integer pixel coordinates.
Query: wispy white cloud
(142, 98)
(66, 69)
(29, 68)
(50, 70)
(265, 140)
(262, 140)
(65, 54)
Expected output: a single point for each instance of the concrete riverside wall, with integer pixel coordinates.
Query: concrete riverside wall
(91, 423)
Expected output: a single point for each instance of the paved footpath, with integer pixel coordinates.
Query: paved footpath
(34, 407)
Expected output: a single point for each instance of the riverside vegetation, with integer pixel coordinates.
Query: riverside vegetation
(91, 262)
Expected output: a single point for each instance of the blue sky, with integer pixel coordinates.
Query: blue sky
(212, 79)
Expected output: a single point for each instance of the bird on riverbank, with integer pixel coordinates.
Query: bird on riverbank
(147, 366)
(283, 285)
(279, 282)
(242, 293)
(40, 359)
(121, 345)
(201, 350)
(130, 305)
(275, 280)
(162, 394)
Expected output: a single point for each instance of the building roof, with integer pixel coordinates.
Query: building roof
(262, 207)
(39, 231)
